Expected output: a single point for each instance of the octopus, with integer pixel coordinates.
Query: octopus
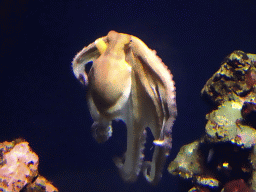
(128, 81)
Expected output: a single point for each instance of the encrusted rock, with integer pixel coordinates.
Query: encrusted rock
(225, 156)
(19, 168)
(235, 79)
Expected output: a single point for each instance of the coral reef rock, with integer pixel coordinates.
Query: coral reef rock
(19, 169)
(225, 155)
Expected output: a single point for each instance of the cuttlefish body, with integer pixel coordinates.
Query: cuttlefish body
(128, 81)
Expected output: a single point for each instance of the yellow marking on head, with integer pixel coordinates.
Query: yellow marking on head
(101, 45)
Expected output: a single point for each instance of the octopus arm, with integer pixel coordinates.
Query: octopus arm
(102, 129)
(159, 85)
(154, 106)
(87, 54)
